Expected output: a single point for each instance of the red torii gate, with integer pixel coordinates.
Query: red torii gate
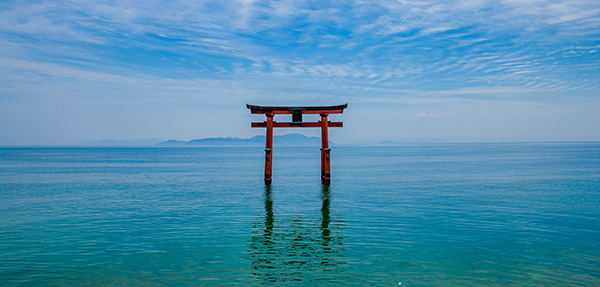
(324, 124)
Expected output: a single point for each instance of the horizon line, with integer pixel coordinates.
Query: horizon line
(381, 143)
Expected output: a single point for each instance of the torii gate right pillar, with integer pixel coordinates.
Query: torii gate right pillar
(269, 150)
(325, 150)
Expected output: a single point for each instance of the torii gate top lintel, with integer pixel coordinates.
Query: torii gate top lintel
(297, 111)
(337, 109)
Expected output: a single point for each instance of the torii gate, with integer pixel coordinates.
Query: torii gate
(324, 124)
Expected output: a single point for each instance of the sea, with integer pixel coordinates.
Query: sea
(472, 214)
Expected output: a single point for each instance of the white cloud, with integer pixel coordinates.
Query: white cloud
(433, 115)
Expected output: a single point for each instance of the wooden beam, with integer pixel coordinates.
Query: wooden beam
(301, 108)
(283, 112)
(304, 125)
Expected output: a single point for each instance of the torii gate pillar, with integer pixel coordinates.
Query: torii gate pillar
(325, 172)
(324, 124)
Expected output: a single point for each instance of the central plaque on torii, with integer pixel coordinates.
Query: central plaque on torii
(297, 112)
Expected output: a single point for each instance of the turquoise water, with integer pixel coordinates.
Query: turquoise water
(423, 215)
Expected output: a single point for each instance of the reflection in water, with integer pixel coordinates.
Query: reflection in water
(286, 249)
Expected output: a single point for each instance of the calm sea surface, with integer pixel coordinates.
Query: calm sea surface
(423, 215)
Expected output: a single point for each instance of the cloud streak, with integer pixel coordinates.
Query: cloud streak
(432, 115)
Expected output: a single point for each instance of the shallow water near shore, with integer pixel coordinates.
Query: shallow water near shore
(522, 214)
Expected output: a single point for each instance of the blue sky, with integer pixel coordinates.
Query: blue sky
(411, 71)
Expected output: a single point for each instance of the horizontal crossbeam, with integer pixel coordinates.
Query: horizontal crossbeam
(292, 125)
(291, 108)
(284, 112)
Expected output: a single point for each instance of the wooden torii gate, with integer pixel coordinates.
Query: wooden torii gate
(297, 112)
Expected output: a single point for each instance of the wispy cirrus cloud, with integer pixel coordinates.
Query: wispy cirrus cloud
(259, 31)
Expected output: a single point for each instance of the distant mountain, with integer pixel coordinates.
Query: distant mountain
(171, 143)
(284, 140)
(148, 141)
(294, 139)
(142, 142)
(229, 141)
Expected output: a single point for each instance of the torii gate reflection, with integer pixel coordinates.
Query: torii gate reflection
(298, 250)
(296, 112)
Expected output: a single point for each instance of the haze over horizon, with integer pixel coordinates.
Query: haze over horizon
(472, 71)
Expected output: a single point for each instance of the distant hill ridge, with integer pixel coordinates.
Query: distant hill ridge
(289, 139)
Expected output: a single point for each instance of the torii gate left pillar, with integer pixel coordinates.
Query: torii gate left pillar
(324, 124)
